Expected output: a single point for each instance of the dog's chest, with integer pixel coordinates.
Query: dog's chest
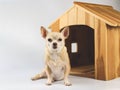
(56, 60)
(57, 66)
(55, 57)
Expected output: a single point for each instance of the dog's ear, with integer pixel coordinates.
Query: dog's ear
(44, 32)
(65, 32)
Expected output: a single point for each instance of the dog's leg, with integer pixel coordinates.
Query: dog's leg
(65, 57)
(67, 71)
(49, 76)
(39, 76)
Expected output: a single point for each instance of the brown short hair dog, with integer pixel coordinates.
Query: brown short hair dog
(57, 64)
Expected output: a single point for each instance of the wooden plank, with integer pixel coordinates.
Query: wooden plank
(104, 15)
(64, 20)
(116, 50)
(100, 50)
(103, 52)
(113, 52)
(100, 69)
(81, 16)
(84, 71)
(112, 14)
(118, 71)
(110, 54)
(72, 17)
(55, 27)
(89, 20)
(95, 12)
(91, 4)
(69, 18)
(77, 14)
(96, 36)
(61, 16)
(92, 21)
(104, 46)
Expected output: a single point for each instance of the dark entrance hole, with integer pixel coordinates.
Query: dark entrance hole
(80, 46)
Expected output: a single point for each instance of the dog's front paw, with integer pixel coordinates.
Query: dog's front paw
(49, 83)
(34, 78)
(67, 83)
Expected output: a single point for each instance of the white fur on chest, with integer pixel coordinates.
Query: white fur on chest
(54, 56)
(57, 66)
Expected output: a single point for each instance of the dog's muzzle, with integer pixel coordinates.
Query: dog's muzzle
(54, 45)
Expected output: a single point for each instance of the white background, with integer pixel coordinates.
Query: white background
(22, 47)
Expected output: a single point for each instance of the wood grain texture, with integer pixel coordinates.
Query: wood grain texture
(84, 71)
(118, 70)
(64, 20)
(81, 16)
(96, 35)
(100, 13)
(116, 50)
(91, 21)
(100, 69)
(100, 50)
(113, 52)
(56, 26)
(103, 49)
(91, 4)
(72, 13)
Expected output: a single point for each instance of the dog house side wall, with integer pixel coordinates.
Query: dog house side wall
(113, 48)
(103, 66)
(100, 50)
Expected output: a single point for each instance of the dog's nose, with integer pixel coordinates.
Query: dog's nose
(54, 45)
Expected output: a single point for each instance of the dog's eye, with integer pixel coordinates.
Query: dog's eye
(59, 39)
(49, 39)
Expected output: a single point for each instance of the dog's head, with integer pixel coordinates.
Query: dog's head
(55, 41)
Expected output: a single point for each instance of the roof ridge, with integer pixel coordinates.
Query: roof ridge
(91, 4)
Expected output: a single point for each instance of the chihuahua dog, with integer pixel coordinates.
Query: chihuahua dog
(57, 64)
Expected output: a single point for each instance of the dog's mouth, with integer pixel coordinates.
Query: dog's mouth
(54, 47)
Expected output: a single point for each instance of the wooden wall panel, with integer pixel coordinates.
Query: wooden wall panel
(89, 20)
(85, 18)
(96, 36)
(118, 70)
(64, 20)
(81, 16)
(92, 21)
(116, 50)
(55, 26)
(113, 52)
(103, 49)
(72, 19)
(100, 50)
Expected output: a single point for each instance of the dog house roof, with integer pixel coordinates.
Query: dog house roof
(104, 13)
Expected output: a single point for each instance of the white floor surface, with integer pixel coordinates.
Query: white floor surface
(21, 81)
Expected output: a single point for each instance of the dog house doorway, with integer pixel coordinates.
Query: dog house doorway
(80, 46)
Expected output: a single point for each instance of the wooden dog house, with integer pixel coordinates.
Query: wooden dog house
(95, 32)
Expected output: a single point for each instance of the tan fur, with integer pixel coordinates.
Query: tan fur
(57, 64)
